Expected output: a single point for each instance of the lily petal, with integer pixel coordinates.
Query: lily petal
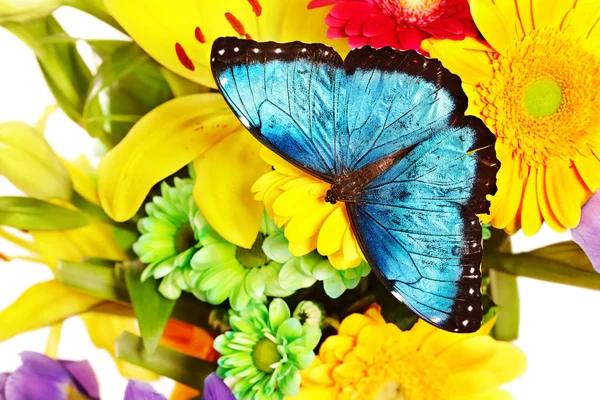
(224, 178)
(216, 389)
(161, 143)
(41, 305)
(587, 234)
(167, 33)
(141, 391)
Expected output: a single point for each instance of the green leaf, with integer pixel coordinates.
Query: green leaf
(566, 253)
(63, 68)
(106, 279)
(152, 309)
(37, 215)
(127, 86)
(188, 370)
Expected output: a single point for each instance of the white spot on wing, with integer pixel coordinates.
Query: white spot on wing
(465, 322)
(255, 50)
(222, 51)
(277, 51)
(236, 49)
(471, 291)
(470, 308)
(245, 122)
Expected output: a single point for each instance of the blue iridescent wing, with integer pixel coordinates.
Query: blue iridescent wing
(418, 223)
(394, 101)
(287, 96)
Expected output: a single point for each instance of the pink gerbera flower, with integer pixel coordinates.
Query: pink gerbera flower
(402, 24)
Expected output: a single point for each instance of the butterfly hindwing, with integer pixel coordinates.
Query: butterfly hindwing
(287, 95)
(417, 222)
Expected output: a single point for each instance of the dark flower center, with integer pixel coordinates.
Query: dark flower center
(185, 238)
(255, 256)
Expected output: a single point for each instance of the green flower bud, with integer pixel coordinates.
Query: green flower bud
(24, 10)
(29, 163)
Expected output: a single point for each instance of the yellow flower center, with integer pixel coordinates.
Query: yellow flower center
(390, 391)
(416, 12)
(542, 100)
(265, 354)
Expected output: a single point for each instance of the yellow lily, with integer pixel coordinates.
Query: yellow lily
(199, 127)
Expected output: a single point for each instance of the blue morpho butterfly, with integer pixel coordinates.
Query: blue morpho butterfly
(387, 130)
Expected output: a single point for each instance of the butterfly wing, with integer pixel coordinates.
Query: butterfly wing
(418, 223)
(394, 100)
(287, 96)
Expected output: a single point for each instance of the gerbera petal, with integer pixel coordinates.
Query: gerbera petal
(352, 9)
(507, 363)
(492, 24)
(566, 194)
(162, 142)
(470, 384)
(551, 13)
(512, 179)
(143, 19)
(354, 27)
(588, 168)
(583, 19)
(358, 41)
(410, 39)
(531, 216)
(467, 354)
(332, 232)
(224, 178)
(378, 25)
(587, 234)
(544, 203)
(468, 58)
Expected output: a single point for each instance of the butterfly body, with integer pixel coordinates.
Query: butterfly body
(386, 129)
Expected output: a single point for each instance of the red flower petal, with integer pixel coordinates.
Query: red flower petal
(352, 9)
(335, 32)
(357, 41)
(378, 25)
(385, 39)
(354, 27)
(335, 22)
(448, 25)
(410, 39)
(440, 34)
(321, 3)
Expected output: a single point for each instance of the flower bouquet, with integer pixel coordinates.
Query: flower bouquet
(301, 199)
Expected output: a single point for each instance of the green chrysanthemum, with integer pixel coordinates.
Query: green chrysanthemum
(263, 355)
(302, 272)
(170, 236)
(222, 271)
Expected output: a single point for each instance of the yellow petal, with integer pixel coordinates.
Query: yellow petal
(468, 58)
(41, 305)
(303, 247)
(531, 217)
(279, 163)
(470, 384)
(551, 13)
(467, 354)
(566, 193)
(492, 24)
(161, 143)
(53, 340)
(511, 181)
(104, 329)
(84, 180)
(157, 26)
(94, 240)
(588, 168)
(224, 178)
(29, 163)
(332, 232)
(583, 19)
(544, 203)
(507, 363)
(314, 393)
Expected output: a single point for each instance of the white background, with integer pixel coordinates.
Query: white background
(560, 325)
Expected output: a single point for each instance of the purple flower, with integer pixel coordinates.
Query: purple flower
(41, 377)
(137, 390)
(587, 234)
(216, 389)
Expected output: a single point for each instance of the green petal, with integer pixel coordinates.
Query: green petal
(169, 289)
(278, 313)
(310, 336)
(163, 268)
(214, 276)
(351, 283)
(334, 286)
(290, 384)
(255, 283)
(243, 325)
(324, 270)
(291, 276)
(239, 298)
(221, 342)
(303, 358)
(276, 247)
(290, 329)
(271, 276)
(212, 255)
(309, 262)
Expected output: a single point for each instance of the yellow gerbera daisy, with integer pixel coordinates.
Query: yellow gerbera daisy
(534, 84)
(369, 359)
(297, 200)
(199, 127)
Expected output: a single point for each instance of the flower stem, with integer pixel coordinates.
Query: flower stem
(505, 293)
(188, 370)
